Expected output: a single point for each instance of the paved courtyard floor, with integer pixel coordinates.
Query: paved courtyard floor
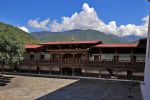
(38, 88)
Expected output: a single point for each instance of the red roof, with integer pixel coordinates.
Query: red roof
(71, 42)
(32, 46)
(116, 46)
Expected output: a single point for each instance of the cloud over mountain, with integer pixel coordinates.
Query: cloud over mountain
(35, 23)
(24, 29)
(88, 19)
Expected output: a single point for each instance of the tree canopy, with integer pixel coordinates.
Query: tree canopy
(12, 41)
(11, 48)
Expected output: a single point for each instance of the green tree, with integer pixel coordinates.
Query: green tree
(11, 49)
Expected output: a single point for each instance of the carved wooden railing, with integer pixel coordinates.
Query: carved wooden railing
(112, 62)
(66, 61)
(81, 61)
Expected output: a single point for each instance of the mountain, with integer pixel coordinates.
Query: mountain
(78, 35)
(26, 37)
(132, 38)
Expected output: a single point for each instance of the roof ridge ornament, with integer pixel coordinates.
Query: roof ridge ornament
(73, 39)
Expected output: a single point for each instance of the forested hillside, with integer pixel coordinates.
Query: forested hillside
(24, 36)
(78, 35)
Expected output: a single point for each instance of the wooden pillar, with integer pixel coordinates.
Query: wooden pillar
(61, 57)
(50, 70)
(86, 72)
(100, 52)
(72, 71)
(86, 57)
(29, 68)
(60, 70)
(99, 73)
(131, 55)
(116, 74)
(73, 57)
(116, 55)
(82, 58)
(39, 70)
(51, 57)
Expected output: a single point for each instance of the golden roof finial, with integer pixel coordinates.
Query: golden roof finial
(73, 38)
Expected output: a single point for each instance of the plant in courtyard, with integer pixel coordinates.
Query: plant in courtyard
(11, 48)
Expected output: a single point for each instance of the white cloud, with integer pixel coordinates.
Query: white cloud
(35, 23)
(87, 9)
(88, 19)
(24, 29)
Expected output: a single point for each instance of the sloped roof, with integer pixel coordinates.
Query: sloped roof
(32, 46)
(71, 42)
(116, 46)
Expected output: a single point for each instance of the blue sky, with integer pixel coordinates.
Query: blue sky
(123, 12)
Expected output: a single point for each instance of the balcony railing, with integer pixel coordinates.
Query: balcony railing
(120, 62)
(67, 61)
(81, 61)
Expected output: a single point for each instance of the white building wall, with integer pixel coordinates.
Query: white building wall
(91, 58)
(46, 68)
(36, 56)
(140, 57)
(107, 56)
(122, 57)
(46, 56)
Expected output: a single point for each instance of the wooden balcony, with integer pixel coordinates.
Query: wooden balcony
(86, 62)
(63, 61)
(124, 64)
(119, 65)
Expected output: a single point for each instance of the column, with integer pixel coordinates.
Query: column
(131, 55)
(99, 73)
(51, 58)
(86, 57)
(116, 74)
(61, 55)
(86, 72)
(39, 70)
(116, 54)
(50, 70)
(72, 71)
(60, 70)
(73, 57)
(100, 55)
(29, 68)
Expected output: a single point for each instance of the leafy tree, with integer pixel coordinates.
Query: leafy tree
(12, 41)
(11, 48)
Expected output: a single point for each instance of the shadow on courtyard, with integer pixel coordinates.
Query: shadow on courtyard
(95, 90)
(4, 80)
